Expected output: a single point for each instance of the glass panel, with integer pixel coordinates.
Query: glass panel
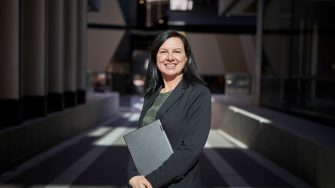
(298, 60)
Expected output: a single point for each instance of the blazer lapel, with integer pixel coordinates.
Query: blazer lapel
(174, 96)
(147, 104)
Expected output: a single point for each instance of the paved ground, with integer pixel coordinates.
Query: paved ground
(98, 158)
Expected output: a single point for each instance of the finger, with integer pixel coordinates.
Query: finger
(147, 184)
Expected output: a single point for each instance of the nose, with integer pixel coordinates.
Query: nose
(169, 56)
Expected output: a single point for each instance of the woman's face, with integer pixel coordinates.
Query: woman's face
(171, 58)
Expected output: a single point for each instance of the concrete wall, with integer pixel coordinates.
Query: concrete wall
(21, 142)
(103, 43)
(301, 147)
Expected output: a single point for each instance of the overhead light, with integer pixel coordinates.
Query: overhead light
(182, 5)
(152, 1)
(176, 23)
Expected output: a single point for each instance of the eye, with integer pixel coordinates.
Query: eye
(162, 52)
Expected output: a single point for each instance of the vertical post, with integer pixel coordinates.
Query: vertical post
(55, 55)
(81, 47)
(70, 53)
(34, 58)
(256, 85)
(10, 97)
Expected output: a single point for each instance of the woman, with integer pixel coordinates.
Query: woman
(175, 94)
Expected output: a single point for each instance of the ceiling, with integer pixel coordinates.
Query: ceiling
(227, 16)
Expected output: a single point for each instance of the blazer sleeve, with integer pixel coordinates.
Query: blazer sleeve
(132, 171)
(186, 153)
(131, 168)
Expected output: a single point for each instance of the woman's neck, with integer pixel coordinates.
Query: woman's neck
(170, 84)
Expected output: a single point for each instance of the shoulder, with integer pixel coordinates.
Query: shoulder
(198, 88)
(198, 98)
(197, 92)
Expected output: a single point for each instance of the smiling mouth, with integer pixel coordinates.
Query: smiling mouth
(171, 66)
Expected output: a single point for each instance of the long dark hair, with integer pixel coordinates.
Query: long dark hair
(154, 78)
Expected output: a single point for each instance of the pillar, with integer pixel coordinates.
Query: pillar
(34, 58)
(10, 98)
(55, 55)
(82, 46)
(256, 79)
(70, 53)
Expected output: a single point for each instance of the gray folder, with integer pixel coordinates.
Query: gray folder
(149, 147)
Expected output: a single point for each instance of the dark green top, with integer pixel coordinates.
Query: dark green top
(150, 116)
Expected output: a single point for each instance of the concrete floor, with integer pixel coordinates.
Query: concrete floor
(98, 158)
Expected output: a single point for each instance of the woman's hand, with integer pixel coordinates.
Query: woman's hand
(139, 182)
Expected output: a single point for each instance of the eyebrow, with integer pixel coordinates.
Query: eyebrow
(173, 49)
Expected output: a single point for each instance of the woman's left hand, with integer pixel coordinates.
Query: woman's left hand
(139, 182)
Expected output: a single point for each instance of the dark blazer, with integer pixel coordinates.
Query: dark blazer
(186, 119)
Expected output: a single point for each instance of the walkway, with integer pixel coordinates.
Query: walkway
(98, 159)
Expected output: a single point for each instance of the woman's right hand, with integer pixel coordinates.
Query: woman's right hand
(139, 182)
